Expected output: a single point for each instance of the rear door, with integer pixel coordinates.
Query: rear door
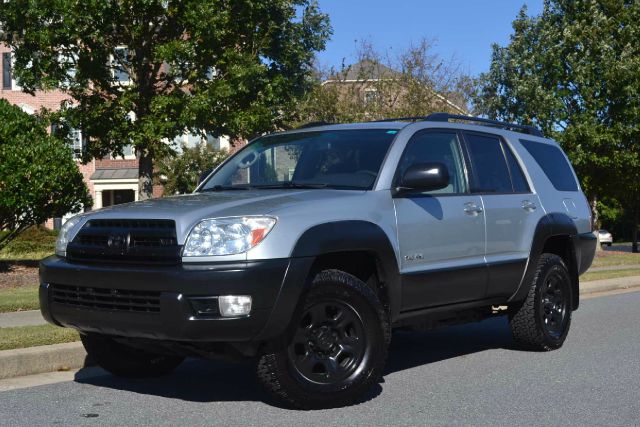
(512, 210)
(441, 233)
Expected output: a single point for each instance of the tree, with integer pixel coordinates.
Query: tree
(180, 173)
(573, 71)
(415, 82)
(38, 176)
(141, 72)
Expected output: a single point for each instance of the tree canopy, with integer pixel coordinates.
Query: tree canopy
(180, 173)
(379, 85)
(38, 177)
(141, 72)
(573, 71)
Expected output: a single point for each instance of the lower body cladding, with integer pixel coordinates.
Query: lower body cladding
(173, 306)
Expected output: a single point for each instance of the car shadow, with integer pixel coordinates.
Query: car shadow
(414, 348)
(215, 381)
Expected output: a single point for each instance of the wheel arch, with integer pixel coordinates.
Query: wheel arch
(555, 233)
(351, 245)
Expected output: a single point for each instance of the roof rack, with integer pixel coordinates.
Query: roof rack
(312, 124)
(445, 117)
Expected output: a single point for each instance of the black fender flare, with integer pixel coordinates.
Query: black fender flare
(351, 236)
(327, 238)
(550, 225)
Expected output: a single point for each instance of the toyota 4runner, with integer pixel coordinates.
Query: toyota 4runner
(304, 250)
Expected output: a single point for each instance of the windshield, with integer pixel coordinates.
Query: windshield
(343, 159)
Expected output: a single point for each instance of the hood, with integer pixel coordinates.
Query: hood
(189, 209)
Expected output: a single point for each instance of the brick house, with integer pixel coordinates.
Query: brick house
(110, 180)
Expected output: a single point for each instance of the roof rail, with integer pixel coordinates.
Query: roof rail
(445, 117)
(312, 124)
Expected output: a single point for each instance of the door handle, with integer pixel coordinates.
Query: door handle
(471, 208)
(528, 206)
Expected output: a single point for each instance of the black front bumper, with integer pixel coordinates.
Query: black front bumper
(274, 285)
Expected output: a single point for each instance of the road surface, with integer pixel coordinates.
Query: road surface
(465, 375)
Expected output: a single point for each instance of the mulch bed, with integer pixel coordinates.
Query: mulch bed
(15, 274)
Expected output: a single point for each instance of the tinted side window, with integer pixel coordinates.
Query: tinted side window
(442, 147)
(490, 171)
(520, 184)
(553, 163)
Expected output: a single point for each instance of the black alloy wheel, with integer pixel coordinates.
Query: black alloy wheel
(554, 305)
(329, 343)
(335, 348)
(543, 319)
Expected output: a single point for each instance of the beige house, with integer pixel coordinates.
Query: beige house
(378, 89)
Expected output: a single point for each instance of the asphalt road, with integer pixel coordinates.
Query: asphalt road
(466, 375)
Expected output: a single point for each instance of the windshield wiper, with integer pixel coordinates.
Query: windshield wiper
(226, 188)
(291, 184)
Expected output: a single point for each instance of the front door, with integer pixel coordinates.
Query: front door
(441, 233)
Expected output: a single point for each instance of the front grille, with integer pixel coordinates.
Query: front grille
(126, 240)
(107, 299)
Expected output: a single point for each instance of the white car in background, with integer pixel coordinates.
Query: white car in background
(605, 238)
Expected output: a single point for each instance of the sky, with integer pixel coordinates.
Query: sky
(462, 28)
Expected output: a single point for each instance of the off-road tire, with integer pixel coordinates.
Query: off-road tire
(277, 366)
(527, 321)
(124, 361)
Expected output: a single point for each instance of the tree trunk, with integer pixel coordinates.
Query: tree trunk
(595, 219)
(145, 177)
(595, 223)
(634, 232)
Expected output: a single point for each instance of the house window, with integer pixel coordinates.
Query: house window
(75, 141)
(120, 64)
(6, 71)
(128, 151)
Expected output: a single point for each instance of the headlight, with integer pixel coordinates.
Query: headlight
(227, 236)
(63, 236)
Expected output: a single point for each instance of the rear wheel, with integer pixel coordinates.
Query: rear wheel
(542, 321)
(336, 348)
(126, 361)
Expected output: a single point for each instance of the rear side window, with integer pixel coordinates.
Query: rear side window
(520, 184)
(553, 163)
(490, 170)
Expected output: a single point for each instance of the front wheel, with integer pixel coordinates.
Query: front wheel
(125, 361)
(542, 321)
(336, 348)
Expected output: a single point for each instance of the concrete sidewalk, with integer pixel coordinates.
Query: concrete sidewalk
(21, 318)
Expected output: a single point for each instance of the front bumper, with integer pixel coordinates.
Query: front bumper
(274, 285)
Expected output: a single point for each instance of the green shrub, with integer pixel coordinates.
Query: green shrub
(33, 243)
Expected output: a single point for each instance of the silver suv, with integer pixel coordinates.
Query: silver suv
(306, 248)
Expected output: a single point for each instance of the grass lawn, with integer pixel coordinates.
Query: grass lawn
(18, 299)
(34, 243)
(610, 258)
(609, 274)
(31, 336)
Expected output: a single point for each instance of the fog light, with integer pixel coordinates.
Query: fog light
(234, 305)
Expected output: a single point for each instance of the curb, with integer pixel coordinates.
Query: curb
(606, 285)
(46, 358)
(67, 356)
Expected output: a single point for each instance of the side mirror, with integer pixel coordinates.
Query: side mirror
(204, 176)
(425, 177)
